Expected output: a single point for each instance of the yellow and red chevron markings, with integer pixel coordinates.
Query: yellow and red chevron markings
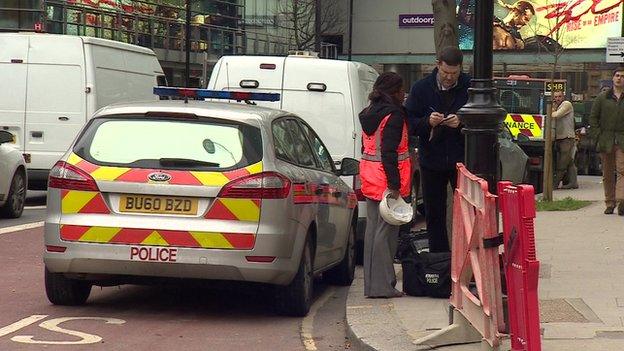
(235, 209)
(151, 237)
(74, 201)
(138, 175)
(529, 125)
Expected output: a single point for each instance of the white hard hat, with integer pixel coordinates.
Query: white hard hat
(395, 211)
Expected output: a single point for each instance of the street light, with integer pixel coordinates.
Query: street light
(482, 116)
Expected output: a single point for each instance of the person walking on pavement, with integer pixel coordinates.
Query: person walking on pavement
(565, 141)
(606, 122)
(431, 108)
(385, 167)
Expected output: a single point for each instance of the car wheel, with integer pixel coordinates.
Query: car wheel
(295, 298)
(14, 206)
(63, 291)
(344, 272)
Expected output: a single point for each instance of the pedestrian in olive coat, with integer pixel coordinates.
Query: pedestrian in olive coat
(607, 128)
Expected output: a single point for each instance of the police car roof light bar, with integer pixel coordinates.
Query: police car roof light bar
(215, 94)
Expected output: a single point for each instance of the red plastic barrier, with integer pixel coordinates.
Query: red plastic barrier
(517, 204)
(474, 219)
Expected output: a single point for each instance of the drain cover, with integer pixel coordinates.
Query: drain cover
(560, 310)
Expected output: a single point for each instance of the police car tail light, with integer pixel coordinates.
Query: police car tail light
(215, 94)
(65, 176)
(265, 185)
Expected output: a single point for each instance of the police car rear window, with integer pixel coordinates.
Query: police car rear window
(170, 143)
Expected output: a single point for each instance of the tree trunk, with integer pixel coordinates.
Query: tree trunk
(445, 24)
(548, 142)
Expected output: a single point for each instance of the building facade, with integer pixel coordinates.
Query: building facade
(218, 28)
(399, 36)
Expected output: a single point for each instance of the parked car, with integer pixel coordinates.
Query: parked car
(54, 84)
(327, 94)
(13, 178)
(213, 191)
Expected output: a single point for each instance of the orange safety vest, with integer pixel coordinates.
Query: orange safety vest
(372, 174)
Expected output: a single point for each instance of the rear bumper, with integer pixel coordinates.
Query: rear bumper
(195, 263)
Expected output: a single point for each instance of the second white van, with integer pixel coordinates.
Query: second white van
(52, 84)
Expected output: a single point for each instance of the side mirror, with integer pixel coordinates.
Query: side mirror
(349, 167)
(6, 137)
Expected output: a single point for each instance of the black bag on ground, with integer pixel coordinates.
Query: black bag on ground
(426, 273)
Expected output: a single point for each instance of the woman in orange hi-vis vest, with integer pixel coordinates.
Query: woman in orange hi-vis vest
(385, 165)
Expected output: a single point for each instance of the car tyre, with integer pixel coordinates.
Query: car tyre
(344, 272)
(14, 205)
(295, 298)
(67, 292)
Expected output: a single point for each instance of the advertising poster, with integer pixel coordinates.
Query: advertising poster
(532, 25)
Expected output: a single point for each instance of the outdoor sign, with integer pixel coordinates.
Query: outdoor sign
(417, 20)
(615, 50)
(551, 24)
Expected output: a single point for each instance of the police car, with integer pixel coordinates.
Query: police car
(197, 189)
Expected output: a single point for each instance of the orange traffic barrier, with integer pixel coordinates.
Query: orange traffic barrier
(474, 220)
(475, 272)
(517, 204)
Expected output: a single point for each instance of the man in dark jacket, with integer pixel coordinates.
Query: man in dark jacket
(432, 106)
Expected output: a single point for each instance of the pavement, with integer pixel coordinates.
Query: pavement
(581, 287)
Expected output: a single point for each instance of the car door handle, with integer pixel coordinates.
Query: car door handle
(63, 118)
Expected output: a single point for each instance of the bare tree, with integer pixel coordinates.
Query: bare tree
(298, 17)
(445, 24)
(553, 46)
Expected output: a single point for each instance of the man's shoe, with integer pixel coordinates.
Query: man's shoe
(569, 186)
(621, 209)
(609, 210)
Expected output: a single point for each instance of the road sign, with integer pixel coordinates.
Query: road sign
(615, 49)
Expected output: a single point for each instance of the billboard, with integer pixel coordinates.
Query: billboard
(530, 25)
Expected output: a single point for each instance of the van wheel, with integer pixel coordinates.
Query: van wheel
(64, 291)
(343, 273)
(295, 299)
(14, 205)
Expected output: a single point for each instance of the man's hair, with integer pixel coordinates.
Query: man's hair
(451, 55)
(619, 69)
(523, 6)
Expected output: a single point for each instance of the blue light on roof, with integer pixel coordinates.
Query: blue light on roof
(216, 94)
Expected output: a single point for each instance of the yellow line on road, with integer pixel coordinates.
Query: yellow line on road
(307, 325)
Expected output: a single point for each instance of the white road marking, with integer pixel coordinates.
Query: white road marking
(35, 207)
(53, 325)
(11, 328)
(307, 325)
(17, 228)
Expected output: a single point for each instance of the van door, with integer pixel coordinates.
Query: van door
(258, 74)
(318, 92)
(55, 98)
(13, 70)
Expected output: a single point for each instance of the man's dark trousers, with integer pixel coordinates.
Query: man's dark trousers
(434, 185)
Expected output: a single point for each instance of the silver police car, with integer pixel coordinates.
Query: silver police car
(199, 189)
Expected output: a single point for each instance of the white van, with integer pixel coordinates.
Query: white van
(328, 94)
(52, 84)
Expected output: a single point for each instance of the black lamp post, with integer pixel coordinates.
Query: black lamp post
(187, 45)
(482, 116)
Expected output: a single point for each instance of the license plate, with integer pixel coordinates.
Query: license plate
(158, 205)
